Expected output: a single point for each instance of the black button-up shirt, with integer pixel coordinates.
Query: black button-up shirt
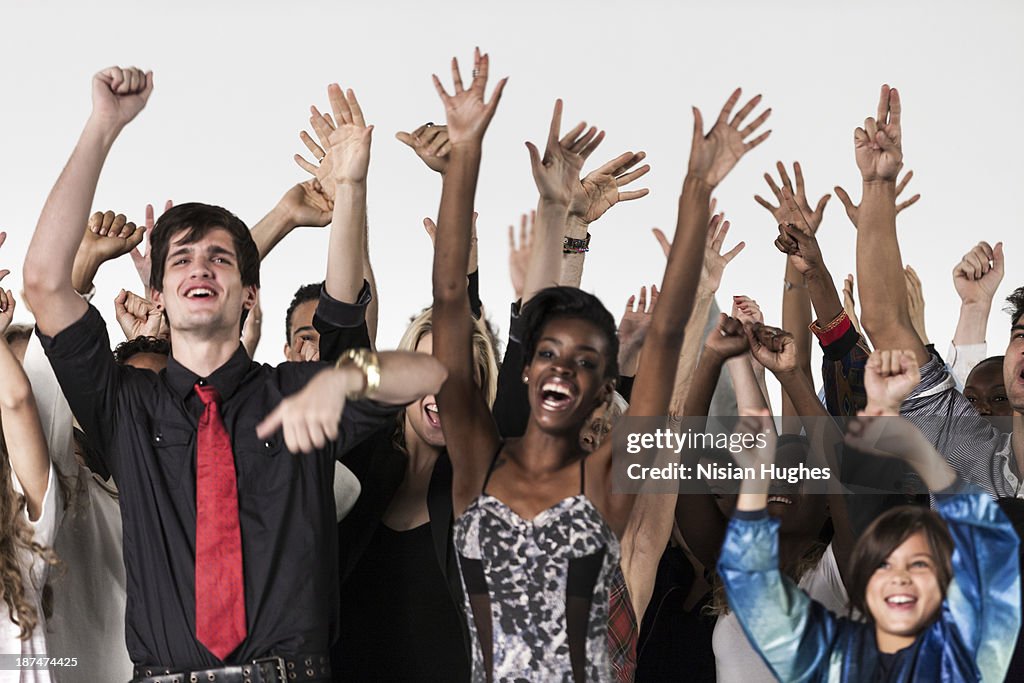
(144, 425)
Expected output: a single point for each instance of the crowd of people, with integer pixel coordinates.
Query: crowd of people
(173, 511)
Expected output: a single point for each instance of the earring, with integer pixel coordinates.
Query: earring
(526, 380)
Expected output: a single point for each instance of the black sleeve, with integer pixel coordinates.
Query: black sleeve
(512, 404)
(90, 379)
(341, 326)
(474, 293)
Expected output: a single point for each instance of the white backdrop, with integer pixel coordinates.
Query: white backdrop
(234, 82)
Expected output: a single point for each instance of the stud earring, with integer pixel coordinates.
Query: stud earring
(526, 380)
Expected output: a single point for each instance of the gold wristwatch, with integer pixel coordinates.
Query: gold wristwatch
(367, 363)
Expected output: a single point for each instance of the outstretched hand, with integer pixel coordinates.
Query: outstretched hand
(600, 189)
(853, 210)
(431, 144)
(978, 274)
(879, 144)
(557, 173)
(797, 239)
(712, 156)
(519, 255)
(782, 211)
(350, 140)
(636, 319)
(714, 260)
(119, 94)
(889, 377)
(467, 113)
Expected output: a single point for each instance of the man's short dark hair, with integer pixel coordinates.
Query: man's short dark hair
(1015, 305)
(569, 302)
(198, 220)
(310, 292)
(126, 349)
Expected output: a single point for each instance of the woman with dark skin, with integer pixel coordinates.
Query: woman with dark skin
(570, 370)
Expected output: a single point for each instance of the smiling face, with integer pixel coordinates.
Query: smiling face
(566, 375)
(202, 287)
(986, 389)
(904, 593)
(423, 416)
(1013, 367)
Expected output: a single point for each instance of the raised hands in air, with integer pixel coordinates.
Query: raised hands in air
(978, 274)
(782, 212)
(879, 144)
(557, 172)
(713, 155)
(118, 95)
(519, 254)
(140, 256)
(600, 189)
(467, 113)
(431, 144)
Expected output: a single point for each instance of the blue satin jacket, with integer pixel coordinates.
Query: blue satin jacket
(972, 640)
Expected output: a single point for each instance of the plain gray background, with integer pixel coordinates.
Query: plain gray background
(234, 82)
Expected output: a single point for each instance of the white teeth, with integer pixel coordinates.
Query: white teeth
(556, 388)
(199, 291)
(431, 408)
(780, 499)
(900, 599)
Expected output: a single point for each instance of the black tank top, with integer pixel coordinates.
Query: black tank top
(398, 621)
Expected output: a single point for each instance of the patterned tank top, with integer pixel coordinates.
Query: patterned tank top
(537, 589)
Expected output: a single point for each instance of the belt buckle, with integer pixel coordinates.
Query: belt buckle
(279, 665)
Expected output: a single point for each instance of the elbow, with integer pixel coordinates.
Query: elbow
(16, 395)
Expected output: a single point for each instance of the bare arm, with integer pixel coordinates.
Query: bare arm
(23, 433)
(118, 95)
(303, 204)
(883, 289)
(468, 427)
(711, 158)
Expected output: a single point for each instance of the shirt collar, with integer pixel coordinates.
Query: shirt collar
(225, 379)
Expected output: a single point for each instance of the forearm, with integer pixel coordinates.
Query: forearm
(796, 316)
(51, 253)
(346, 249)
(23, 434)
(572, 264)
(973, 322)
(83, 272)
(545, 265)
(406, 376)
(271, 229)
(683, 271)
(883, 287)
(702, 389)
(748, 391)
(801, 392)
(693, 339)
(374, 306)
(824, 297)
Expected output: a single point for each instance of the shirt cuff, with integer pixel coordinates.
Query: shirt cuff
(341, 314)
(832, 332)
(515, 325)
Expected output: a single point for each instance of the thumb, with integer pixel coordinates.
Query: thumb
(119, 302)
(698, 124)
(843, 197)
(997, 258)
(821, 203)
(885, 142)
(534, 154)
(406, 138)
(734, 252)
(430, 227)
(271, 423)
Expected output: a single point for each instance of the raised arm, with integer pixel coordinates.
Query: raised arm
(796, 303)
(22, 431)
(883, 290)
(106, 238)
(712, 156)
(118, 96)
(556, 174)
(304, 204)
(468, 426)
(976, 278)
(592, 196)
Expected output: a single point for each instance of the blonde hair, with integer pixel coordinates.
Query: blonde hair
(485, 348)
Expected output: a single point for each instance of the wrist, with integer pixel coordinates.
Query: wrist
(712, 356)
(83, 272)
(101, 130)
(696, 183)
(576, 227)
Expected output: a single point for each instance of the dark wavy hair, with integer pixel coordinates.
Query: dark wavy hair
(569, 302)
(1015, 305)
(127, 349)
(887, 533)
(198, 220)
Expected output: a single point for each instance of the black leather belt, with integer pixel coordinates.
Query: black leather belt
(263, 670)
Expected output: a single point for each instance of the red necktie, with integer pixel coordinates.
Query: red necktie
(220, 591)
